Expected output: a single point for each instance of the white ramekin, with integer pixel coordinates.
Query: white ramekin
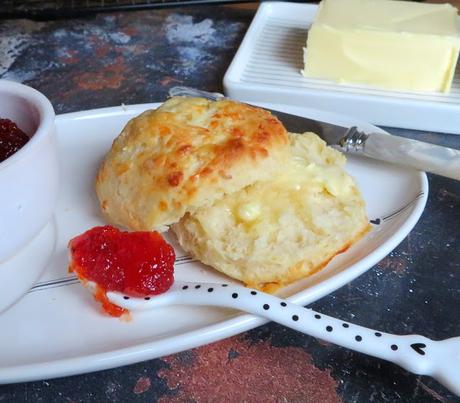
(29, 178)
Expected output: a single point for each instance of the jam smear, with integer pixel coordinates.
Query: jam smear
(137, 264)
(12, 138)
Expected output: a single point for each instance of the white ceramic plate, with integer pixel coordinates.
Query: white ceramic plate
(57, 329)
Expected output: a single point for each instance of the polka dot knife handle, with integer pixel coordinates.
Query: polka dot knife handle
(418, 354)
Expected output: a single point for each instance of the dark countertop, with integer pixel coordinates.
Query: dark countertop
(135, 57)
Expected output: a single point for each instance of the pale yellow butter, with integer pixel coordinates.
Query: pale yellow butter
(397, 45)
(249, 211)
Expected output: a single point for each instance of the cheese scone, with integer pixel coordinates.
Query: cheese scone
(272, 233)
(185, 155)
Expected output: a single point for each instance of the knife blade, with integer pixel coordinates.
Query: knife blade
(330, 133)
(423, 156)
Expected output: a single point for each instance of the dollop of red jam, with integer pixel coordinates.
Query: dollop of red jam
(12, 138)
(137, 264)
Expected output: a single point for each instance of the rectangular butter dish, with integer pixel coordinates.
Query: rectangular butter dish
(266, 68)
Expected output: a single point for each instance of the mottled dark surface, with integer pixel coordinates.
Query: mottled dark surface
(129, 58)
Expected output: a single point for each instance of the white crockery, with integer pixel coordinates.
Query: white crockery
(41, 336)
(267, 65)
(28, 181)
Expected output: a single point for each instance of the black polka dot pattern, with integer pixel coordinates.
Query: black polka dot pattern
(417, 347)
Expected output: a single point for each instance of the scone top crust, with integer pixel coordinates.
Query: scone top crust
(184, 155)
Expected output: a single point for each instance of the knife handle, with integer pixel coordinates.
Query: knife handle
(399, 150)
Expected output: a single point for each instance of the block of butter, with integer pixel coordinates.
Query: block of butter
(397, 45)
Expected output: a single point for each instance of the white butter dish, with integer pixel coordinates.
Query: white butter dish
(267, 68)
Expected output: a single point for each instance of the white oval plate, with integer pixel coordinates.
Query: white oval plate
(57, 329)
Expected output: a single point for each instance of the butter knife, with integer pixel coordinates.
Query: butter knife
(423, 156)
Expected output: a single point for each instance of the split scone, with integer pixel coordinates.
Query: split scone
(186, 155)
(242, 195)
(272, 233)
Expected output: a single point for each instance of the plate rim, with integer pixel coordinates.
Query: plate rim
(217, 331)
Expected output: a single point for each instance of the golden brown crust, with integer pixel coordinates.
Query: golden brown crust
(184, 155)
(299, 271)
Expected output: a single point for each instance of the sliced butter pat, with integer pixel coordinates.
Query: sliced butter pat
(398, 45)
(249, 212)
(332, 178)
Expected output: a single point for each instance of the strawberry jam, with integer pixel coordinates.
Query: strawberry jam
(137, 264)
(12, 138)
